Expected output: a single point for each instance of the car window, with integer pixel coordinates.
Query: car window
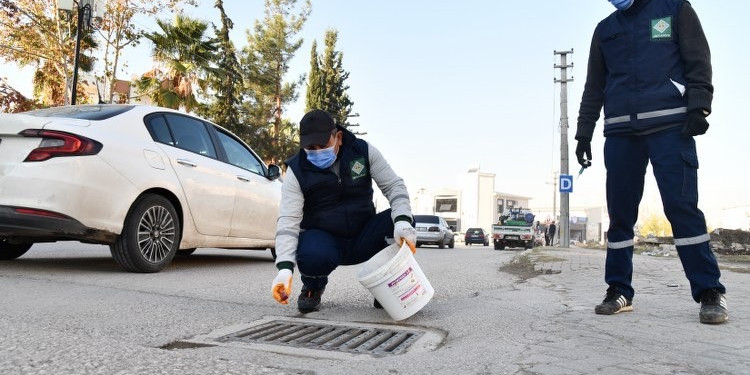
(190, 134)
(430, 219)
(238, 155)
(159, 130)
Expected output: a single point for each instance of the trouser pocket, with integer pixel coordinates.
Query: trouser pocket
(690, 174)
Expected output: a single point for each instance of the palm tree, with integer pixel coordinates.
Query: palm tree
(186, 56)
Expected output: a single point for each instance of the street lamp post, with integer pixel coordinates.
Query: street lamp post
(85, 11)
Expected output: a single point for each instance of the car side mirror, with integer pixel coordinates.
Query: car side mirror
(274, 172)
(453, 228)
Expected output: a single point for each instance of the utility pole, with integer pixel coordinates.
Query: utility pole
(564, 223)
(554, 195)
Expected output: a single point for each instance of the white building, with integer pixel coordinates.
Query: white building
(475, 204)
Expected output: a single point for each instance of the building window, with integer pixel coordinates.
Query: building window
(446, 205)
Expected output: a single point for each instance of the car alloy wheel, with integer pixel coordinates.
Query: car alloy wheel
(150, 237)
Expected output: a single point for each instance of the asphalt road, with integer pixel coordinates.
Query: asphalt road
(67, 308)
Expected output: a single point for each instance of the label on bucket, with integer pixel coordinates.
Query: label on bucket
(405, 287)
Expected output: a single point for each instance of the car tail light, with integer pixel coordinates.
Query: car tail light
(495, 235)
(56, 143)
(525, 236)
(433, 229)
(37, 212)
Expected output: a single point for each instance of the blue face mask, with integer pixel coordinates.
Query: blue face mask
(323, 158)
(621, 4)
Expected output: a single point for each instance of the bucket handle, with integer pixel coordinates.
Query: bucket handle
(411, 246)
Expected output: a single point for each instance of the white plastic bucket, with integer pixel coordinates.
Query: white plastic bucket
(395, 279)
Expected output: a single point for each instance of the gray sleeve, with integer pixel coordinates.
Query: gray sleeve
(290, 217)
(389, 183)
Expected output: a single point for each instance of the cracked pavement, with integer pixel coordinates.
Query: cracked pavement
(68, 309)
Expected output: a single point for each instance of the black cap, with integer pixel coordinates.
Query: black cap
(315, 128)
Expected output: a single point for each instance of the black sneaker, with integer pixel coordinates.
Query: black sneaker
(613, 303)
(713, 307)
(309, 300)
(377, 304)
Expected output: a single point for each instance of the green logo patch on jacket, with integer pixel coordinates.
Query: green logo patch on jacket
(661, 28)
(358, 168)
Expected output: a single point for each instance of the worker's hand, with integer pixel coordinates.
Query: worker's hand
(282, 286)
(696, 123)
(584, 148)
(403, 231)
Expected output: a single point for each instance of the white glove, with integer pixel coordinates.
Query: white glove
(281, 288)
(403, 231)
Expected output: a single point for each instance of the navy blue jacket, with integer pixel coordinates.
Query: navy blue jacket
(648, 66)
(338, 201)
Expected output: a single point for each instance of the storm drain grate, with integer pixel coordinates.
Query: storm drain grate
(317, 335)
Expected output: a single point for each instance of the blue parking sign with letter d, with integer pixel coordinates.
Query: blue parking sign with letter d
(566, 183)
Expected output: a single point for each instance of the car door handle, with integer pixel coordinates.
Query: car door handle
(186, 162)
(243, 178)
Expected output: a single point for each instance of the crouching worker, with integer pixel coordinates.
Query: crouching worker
(327, 217)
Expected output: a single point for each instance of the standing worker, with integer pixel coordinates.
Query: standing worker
(551, 230)
(650, 67)
(327, 217)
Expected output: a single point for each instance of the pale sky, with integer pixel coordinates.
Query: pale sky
(441, 86)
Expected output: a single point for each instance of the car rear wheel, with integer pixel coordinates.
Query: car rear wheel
(10, 251)
(452, 244)
(150, 237)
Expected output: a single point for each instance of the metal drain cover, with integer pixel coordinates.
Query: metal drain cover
(320, 338)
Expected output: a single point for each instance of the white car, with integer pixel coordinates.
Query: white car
(433, 230)
(147, 181)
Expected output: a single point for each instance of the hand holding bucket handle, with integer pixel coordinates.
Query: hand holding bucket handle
(404, 232)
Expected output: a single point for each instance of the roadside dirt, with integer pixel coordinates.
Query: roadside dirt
(730, 242)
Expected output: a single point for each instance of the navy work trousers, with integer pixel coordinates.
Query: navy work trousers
(675, 164)
(319, 252)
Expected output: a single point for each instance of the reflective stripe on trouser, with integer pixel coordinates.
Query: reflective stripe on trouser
(319, 253)
(674, 161)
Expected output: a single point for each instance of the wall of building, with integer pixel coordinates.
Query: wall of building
(596, 224)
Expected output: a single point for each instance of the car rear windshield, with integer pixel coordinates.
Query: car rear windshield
(474, 231)
(426, 219)
(94, 112)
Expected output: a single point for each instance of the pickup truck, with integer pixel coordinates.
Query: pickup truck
(514, 230)
(512, 236)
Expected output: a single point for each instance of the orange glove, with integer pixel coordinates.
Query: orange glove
(281, 288)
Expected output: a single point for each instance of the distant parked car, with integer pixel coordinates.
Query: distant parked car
(433, 230)
(476, 235)
(149, 182)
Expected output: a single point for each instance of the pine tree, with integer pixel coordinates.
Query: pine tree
(314, 97)
(265, 62)
(326, 86)
(226, 82)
